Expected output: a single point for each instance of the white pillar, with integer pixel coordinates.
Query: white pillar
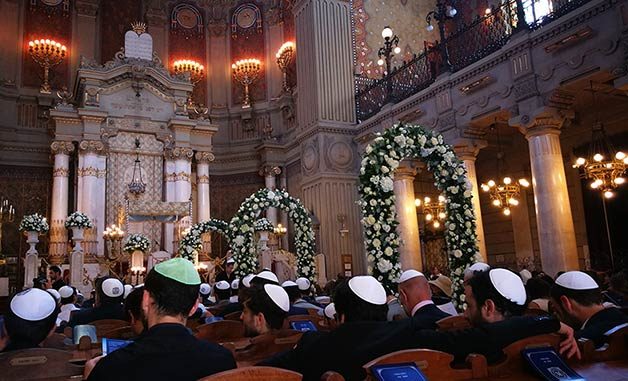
(467, 150)
(409, 248)
(92, 172)
(182, 180)
(270, 173)
(557, 238)
(169, 175)
(202, 184)
(60, 185)
(283, 216)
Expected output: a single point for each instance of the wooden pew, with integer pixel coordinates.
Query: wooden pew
(514, 366)
(264, 346)
(435, 365)
(38, 364)
(452, 323)
(332, 376)
(233, 316)
(122, 333)
(107, 325)
(315, 320)
(220, 331)
(616, 347)
(255, 373)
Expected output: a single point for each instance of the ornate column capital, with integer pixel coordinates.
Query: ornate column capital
(405, 173)
(61, 147)
(204, 157)
(87, 7)
(180, 153)
(92, 146)
(468, 149)
(269, 170)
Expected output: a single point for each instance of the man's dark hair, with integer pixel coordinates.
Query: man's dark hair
(133, 303)
(40, 282)
(483, 290)
(172, 298)
(222, 294)
(55, 269)
(354, 308)
(104, 299)
(26, 333)
(258, 301)
(537, 288)
(293, 293)
(69, 299)
(260, 281)
(585, 298)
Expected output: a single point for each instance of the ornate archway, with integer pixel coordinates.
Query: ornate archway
(380, 160)
(191, 244)
(241, 225)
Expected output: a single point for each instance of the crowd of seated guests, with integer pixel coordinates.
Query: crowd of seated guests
(367, 320)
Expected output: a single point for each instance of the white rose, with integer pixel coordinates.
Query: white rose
(373, 202)
(434, 141)
(384, 266)
(271, 195)
(377, 243)
(467, 193)
(387, 184)
(386, 228)
(369, 149)
(457, 253)
(388, 251)
(239, 240)
(371, 220)
(245, 228)
(385, 169)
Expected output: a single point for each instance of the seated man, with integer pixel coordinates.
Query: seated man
(68, 297)
(227, 275)
(292, 289)
(475, 268)
(108, 304)
(30, 320)
(416, 298)
(364, 334)
(264, 277)
(167, 350)
(441, 294)
(305, 301)
(577, 300)
(133, 309)
(265, 309)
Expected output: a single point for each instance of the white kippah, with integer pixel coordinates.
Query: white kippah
(230, 261)
(54, 293)
(33, 304)
(477, 266)
(235, 284)
(525, 275)
(289, 283)
(127, 290)
(66, 291)
(509, 285)
(409, 274)
(330, 310)
(246, 281)
(278, 295)
(205, 289)
(223, 285)
(268, 275)
(303, 283)
(112, 287)
(576, 280)
(368, 289)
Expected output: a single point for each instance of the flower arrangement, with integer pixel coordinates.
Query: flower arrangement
(191, 244)
(263, 225)
(78, 220)
(242, 227)
(34, 222)
(380, 160)
(136, 242)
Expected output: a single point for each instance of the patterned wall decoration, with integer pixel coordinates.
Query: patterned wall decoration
(247, 41)
(226, 195)
(187, 41)
(116, 17)
(46, 19)
(120, 172)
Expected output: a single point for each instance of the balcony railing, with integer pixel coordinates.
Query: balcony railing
(467, 45)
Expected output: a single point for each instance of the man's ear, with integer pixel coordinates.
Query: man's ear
(489, 307)
(145, 300)
(566, 304)
(193, 310)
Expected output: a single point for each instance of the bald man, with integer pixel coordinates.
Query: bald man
(416, 297)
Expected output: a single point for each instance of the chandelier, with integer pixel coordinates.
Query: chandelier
(435, 212)
(137, 186)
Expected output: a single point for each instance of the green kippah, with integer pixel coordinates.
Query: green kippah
(179, 269)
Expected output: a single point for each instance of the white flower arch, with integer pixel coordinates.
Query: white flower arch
(380, 160)
(191, 244)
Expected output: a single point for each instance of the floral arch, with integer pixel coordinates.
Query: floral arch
(380, 160)
(191, 244)
(242, 231)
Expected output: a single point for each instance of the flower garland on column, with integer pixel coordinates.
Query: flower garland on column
(191, 244)
(380, 160)
(242, 231)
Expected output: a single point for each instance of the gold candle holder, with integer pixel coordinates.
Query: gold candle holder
(285, 55)
(47, 53)
(246, 72)
(195, 69)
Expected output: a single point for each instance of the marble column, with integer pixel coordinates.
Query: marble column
(61, 151)
(92, 172)
(270, 180)
(169, 175)
(467, 150)
(283, 216)
(182, 180)
(522, 232)
(409, 248)
(202, 199)
(557, 238)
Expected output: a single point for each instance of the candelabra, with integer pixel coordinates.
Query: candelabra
(136, 272)
(195, 69)
(7, 214)
(113, 236)
(246, 72)
(506, 194)
(435, 212)
(280, 231)
(441, 14)
(47, 53)
(285, 55)
(390, 48)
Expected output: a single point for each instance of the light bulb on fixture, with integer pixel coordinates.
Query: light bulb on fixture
(436, 224)
(417, 202)
(441, 198)
(428, 217)
(513, 201)
(442, 215)
(380, 62)
(507, 180)
(397, 50)
(620, 155)
(491, 183)
(609, 194)
(580, 161)
(619, 180)
(487, 11)
(485, 187)
(427, 200)
(506, 211)
(597, 157)
(429, 28)
(524, 183)
(387, 32)
(496, 202)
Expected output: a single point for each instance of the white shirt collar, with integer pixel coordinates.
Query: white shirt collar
(421, 304)
(69, 307)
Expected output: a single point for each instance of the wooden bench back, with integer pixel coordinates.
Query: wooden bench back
(38, 364)
(435, 365)
(255, 373)
(265, 346)
(452, 323)
(315, 320)
(514, 363)
(107, 325)
(616, 347)
(220, 331)
(233, 315)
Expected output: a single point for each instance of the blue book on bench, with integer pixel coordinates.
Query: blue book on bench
(397, 372)
(303, 325)
(548, 364)
(110, 345)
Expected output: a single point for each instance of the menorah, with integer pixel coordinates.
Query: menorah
(246, 72)
(47, 53)
(285, 55)
(195, 69)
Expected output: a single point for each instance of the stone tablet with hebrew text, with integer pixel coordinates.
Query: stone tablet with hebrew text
(138, 45)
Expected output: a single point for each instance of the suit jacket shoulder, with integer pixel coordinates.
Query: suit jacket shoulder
(600, 323)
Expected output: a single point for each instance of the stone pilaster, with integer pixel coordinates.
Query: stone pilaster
(61, 151)
(84, 40)
(182, 180)
(410, 248)
(92, 173)
(202, 199)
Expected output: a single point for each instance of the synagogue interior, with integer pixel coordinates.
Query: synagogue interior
(314, 189)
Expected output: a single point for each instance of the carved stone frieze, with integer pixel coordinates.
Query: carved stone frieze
(92, 171)
(217, 28)
(180, 153)
(269, 170)
(60, 172)
(310, 157)
(203, 179)
(447, 121)
(338, 154)
(204, 157)
(92, 97)
(95, 146)
(170, 177)
(525, 88)
(61, 147)
(182, 176)
(156, 18)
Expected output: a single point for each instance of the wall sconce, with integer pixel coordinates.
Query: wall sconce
(342, 218)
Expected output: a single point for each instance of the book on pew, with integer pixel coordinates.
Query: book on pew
(212, 319)
(548, 364)
(84, 330)
(110, 345)
(303, 325)
(393, 372)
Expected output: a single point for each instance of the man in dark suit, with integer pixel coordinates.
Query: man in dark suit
(108, 304)
(577, 300)
(56, 280)
(416, 298)
(228, 275)
(167, 350)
